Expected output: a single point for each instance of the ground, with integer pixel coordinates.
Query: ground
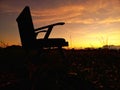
(91, 68)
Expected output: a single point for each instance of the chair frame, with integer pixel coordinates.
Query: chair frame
(28, 34)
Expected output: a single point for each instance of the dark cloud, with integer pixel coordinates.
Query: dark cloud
(70, 10)
(43, 4)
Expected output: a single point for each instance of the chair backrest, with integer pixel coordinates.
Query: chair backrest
(26, 29)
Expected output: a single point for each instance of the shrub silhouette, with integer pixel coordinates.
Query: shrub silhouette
(96, 68)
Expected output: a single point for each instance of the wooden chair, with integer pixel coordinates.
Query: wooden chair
(28, 34)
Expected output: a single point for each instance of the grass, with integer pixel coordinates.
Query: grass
(100, 67)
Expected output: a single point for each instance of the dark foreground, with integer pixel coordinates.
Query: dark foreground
(96, 69)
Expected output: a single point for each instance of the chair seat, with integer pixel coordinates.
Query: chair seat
(52, 42)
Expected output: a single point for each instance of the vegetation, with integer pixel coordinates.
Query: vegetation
(100, 67)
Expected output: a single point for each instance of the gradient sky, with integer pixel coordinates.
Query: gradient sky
(89, 23)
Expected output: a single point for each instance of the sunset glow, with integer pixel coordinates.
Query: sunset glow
(88, 23)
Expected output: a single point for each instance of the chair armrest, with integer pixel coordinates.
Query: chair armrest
(49, 29)
(36, 33)
(51, 25)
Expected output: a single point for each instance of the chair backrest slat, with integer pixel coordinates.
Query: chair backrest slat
(26, 29)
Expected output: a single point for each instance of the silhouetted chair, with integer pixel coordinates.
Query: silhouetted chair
(28, 34)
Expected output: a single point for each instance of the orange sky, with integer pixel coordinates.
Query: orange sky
(89, 23)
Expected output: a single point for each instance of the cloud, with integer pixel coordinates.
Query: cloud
(82, 12)
(70, 11)
(65, 13)
(110, 20)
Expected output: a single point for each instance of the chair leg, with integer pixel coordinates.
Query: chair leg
(65, 62)
(61, 52)
(64, 59)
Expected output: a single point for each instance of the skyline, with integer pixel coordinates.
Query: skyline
(88, 23)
